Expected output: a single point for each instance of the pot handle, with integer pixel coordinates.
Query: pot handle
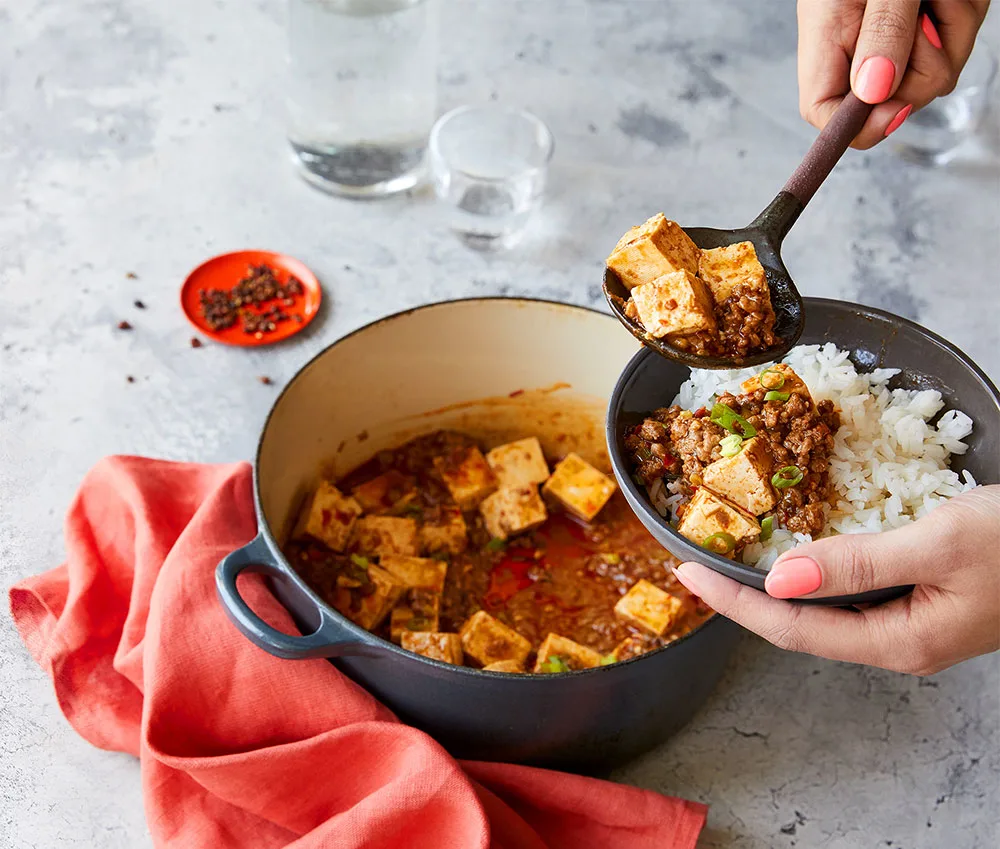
(257, 556)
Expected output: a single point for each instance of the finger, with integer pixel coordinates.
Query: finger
(858, 637)
(827, 35)
(957, 25)
(930, 72)
(883, 48)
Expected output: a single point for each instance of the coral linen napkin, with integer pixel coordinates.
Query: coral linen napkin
(238, 748)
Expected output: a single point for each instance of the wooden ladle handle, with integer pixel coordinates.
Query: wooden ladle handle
(829, 146)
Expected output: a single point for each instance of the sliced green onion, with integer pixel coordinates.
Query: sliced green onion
(607, 660)
(774, 380)
(777, 396)
(495, 544)
(643, 452)
(766, 528)
(720, 543)
(786, 477)
(359, 561)
(732, 421)
(554, 663)
(730, 445)
(638, 480)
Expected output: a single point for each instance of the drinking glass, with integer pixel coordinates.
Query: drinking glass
(362, 92)
(931, 135)
(489, 165)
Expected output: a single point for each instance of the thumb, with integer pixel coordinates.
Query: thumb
(883, 50)
(852, 563)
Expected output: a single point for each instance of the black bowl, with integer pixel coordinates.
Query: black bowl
(876, 339)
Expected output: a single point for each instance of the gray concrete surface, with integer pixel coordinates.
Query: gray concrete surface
(142, 137)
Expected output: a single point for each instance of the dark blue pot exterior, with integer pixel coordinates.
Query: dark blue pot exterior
(581, 721)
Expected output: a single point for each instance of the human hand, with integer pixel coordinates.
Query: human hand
(889, 52)
(953, 613)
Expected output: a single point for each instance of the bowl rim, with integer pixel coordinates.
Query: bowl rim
(367, 637)
(750, 575)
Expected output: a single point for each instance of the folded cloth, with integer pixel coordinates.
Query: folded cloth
(239, 748)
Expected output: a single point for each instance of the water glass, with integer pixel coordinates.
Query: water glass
(931, 135)
(489, 165)
(362, 92)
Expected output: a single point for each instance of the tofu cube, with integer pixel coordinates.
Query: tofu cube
(424, 573)
(677, 303)
(628, 648)
(443, 531)
(652, 249)
(376, 536)
(648, 608)
(386, 492)
(723, 268)
(792, 383)
(435, 644)
(508, 512)
(365, 606)
(579, 487)
(504, 666)
(744, 478)
(707, 514)
(519, 464)
(467, 475)
(562, 651)
(487, 640)
(420, 610)
(332, 516)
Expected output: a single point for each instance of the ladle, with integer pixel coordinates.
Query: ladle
(766, 231)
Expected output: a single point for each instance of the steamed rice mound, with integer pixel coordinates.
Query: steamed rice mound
(890, 460)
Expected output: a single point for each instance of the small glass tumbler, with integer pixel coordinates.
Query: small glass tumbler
(932, 135)
(362, 92)
(489, 165)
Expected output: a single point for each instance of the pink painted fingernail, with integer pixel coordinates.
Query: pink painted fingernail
(686, 580)
(901, 116)
(927, 25)
(792, 578)
(873, 83)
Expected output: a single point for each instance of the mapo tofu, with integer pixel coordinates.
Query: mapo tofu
(713, 302)
(503, 559)
(753, 463)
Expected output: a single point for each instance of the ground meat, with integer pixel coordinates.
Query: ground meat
(798, 436)
(746, 321)
(696, 442)
(745, 325)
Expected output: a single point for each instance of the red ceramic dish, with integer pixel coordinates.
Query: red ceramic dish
(225, 270)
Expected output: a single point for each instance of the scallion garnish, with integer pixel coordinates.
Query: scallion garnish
(607, 660)
(766, 528)
(495, 544)
(720, 543)
(359, 561)
(732, 421)
(730, 445)
(786, 477)
(771, 378)
(777, 396)
(554, 663)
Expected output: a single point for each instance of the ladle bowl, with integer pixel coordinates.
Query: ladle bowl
(766, 232)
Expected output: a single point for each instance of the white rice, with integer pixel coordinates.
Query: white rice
(889, 464)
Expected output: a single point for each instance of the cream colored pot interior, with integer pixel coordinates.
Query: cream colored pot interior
(498, 369)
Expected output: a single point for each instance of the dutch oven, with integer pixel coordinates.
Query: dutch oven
(497, 368)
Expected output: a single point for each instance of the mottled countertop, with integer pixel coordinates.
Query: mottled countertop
(142, 137)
